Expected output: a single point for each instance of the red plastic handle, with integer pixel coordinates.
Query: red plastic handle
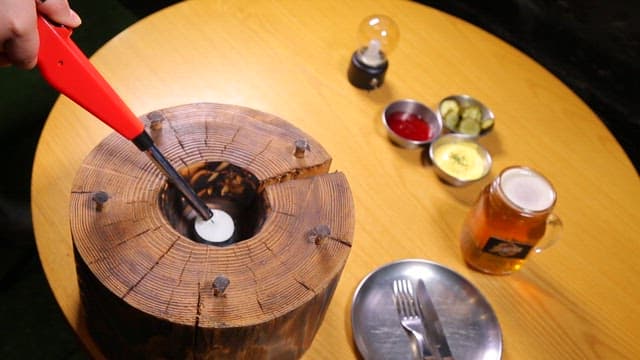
(69, 71)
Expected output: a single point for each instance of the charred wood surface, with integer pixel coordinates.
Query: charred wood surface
(151, 291)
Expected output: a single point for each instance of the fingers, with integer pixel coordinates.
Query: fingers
(18, 34)
(19, 40)
(59, 12)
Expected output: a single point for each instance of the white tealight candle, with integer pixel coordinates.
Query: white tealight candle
(219, 228)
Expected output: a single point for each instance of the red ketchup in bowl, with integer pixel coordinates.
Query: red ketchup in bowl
(409, 126)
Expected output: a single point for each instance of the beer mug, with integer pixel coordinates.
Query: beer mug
(511, 218)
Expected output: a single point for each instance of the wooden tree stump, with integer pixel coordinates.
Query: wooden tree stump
(151, 290)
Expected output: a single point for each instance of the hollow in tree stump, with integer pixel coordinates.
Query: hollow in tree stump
(152, 289)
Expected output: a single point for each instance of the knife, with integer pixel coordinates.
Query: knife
(431, 322)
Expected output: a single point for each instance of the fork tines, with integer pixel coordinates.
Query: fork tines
(403, 294)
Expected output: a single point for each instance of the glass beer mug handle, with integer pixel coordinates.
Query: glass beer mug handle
(552, 233)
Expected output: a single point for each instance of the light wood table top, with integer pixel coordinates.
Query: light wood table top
(580, 299)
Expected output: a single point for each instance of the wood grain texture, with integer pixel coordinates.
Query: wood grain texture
(578, 300)
(148, 289)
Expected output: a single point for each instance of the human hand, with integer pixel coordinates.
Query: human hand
(19, 41)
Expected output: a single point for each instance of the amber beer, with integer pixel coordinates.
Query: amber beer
(509, 220)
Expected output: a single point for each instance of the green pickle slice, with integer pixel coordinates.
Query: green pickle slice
(450, 105)
(451, 119)
(463, 119)
(486, 123)
(472, 112)
(469, 126)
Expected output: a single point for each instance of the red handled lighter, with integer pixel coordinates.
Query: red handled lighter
(69, 71)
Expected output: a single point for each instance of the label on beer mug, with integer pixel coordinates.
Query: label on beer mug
(507, 249)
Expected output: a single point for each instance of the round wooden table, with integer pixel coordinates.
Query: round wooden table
(579, 299)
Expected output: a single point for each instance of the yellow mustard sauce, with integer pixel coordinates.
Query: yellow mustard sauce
(460, 160)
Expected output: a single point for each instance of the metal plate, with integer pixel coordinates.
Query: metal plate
(467, 318)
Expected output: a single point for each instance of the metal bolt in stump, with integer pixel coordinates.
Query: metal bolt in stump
(302, 146)
(155, 120)
(319, 233)
(100, 198)
(220, 285)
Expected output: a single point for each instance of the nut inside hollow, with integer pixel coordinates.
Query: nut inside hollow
(223, 186)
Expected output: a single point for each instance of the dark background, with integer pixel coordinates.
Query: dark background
(592, 46)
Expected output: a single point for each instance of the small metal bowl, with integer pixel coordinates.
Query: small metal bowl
(466, 101)
(459, 160)
(411, 107)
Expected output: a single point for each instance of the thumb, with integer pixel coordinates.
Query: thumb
(58, 11)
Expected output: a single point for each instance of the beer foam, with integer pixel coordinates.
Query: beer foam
(527, 189)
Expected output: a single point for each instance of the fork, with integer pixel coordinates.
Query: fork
(409, 316)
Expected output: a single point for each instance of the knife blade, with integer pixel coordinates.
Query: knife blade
(431, 322)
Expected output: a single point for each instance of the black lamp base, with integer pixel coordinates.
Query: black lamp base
(364, 76)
